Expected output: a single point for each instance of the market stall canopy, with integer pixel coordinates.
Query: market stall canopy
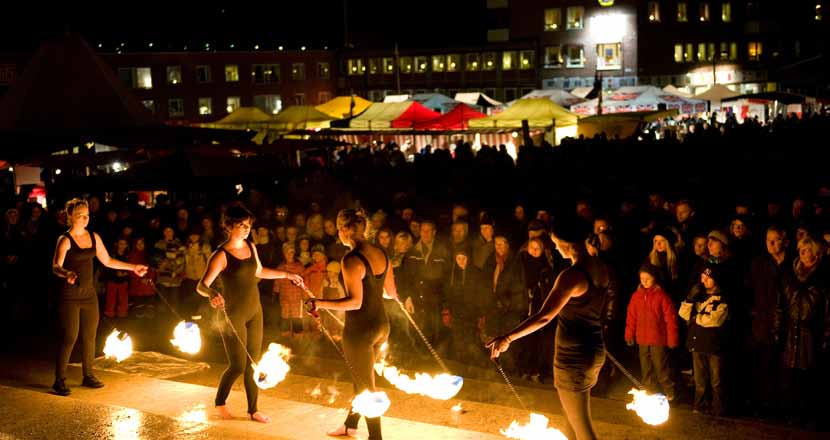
(300, 117)
(393, 115)
(477, 99)
(435, 101)
(581, 92)
(638, 99)
(560, 97)
(396, 98)
(538, 112)
(716, 93)
(241, 119)
(782, 97)
(622, 125)
(456, 119)
(675, 91)
(343, 107)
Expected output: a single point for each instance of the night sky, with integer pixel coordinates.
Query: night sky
(372, 23)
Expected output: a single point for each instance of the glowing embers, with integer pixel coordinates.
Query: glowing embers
(273, 366)
(118, 346)
(371, 404)
(652, 408)
(187, 337)
(536, 429)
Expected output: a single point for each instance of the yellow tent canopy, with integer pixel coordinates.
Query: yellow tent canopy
(300, 117)
(339, 106)
(241, 118)
(539, 113)
(380, 115)
(620, 125)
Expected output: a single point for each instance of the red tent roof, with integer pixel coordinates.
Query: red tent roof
(456, 119)
(414, 114)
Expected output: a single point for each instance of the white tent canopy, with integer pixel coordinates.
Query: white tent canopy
(638, 99)
(477, 99)
(396, 98)
(716, 94)
(675, 91)
(558, 96)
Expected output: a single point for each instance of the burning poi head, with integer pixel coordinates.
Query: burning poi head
(273, 367)
(536, 429)
(370, 404)
(652, 408)
(440, 386)
(187, 337)
(117, 346)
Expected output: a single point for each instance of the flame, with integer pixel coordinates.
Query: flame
(187, 337)
(273, 367)
(441, 386)
(117, 347)
(536, 429)
(457, 407)
(371, 404)
(333, 394)
(652, 408)
(316, 392)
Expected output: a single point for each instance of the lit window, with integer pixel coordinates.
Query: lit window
(231, 73)
(323, 70)
(688, 53)
(726, 12)
(488, 61)
(609, 56)
(710, 52)
(453, 63)
(526, 59)
(553, 56)
(203, 74)
(473, 62)
(724, 51)
(388, 66)
(375, 66)
(576, 15)
(174, 74)
(356, 66)
(205, 106)
(682, 12)
(149, 104)
(703, 11)
(439, 63)
(323, 97)
(733, 51)
(553, 18)
(232, 103)
(678, 53)
(271, 104)
(576, 56)
(298, 71)
(175, 107)
(144, 78)
(754, 50)
(654, 11)
(407, 65)
(266, 73)
(508, 60)
(701, 51)
(421, 64)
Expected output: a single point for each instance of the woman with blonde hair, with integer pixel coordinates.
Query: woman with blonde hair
(664, 257)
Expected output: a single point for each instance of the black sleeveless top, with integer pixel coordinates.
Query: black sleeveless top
(239, 283)
(371, 316)
(79, 260)
(580, 318)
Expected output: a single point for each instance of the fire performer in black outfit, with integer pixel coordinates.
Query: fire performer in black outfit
(366, 273)
(577, 299)
(78, 306)
(237, 264)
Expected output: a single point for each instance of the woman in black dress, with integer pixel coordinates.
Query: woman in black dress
(237, 264)
(78, 304)
(366, 273)
(577, 299)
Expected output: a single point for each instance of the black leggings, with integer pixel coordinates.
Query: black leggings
(250, 333)
(75, 316)
(361, 351)
(577, 406)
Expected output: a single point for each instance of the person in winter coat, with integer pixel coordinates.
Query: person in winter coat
(802, 319)
(170, 256)
(290, 295)
(509, 303)
(536, 355)
(464, 303)
(651, 323)
(196, 256)
(333, 289)
(706, 312)
(117, 283)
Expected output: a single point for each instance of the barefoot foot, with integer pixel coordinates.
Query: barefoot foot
(224, 413)
(342, 431)
(260, 417)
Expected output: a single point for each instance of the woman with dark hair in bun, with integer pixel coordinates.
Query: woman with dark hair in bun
(78, 306)
(237, 264)
(577, 300)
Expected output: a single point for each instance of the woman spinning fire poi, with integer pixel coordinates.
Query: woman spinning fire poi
(577, 299)
(78, 306)
(237, 264)
(366, 272)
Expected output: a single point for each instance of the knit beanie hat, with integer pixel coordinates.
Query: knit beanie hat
(333, 267)
(719, 236)
(714, 272)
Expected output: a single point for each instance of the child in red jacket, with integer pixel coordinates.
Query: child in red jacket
(651, 323)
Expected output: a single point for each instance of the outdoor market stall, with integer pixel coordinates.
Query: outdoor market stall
(343, 107)
(393, 115)
(638, 99)
(539, 113)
